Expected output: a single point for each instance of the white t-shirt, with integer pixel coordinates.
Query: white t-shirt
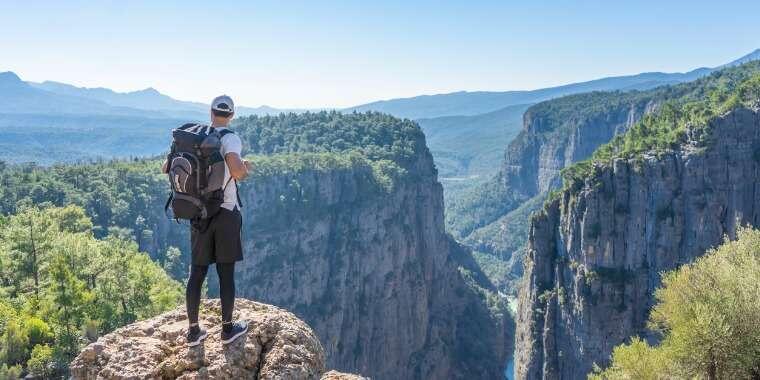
(230, 144)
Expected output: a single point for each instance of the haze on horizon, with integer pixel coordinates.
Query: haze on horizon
(341, 53)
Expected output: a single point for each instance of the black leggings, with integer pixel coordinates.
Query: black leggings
(226, 274)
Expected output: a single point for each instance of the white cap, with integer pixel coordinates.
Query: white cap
(223, 103)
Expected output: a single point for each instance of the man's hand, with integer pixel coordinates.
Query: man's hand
(238, 167)
(248, 165)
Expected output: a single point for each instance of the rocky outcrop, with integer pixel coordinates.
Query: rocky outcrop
(596, 254)
(277, 346)
(371, 269)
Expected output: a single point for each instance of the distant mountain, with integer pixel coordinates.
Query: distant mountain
(267, 110)
(755, 55)
(148, 99)
(472, 103)
(17, 96)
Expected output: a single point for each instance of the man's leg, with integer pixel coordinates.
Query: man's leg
(226, 272)
(230, 330)
(193, 292)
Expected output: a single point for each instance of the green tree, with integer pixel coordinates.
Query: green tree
(707, 313)
(173, 261)
(637, 360)
(70, 297)
(13, 344)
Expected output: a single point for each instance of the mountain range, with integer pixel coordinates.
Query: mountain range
(467, 131)
(478, 102)
(49, 97)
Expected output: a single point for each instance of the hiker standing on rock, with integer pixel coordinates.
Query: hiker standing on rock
(204, 166)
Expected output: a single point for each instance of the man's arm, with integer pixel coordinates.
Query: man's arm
(238, 167)
(165, 166)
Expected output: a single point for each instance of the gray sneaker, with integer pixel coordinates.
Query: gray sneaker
(195, 335)
(237, 330)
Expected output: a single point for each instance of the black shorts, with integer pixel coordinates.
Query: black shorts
(219, 241)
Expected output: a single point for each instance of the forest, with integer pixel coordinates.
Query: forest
(61, 288)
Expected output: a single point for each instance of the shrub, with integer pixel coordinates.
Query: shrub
(41, 362)
(38, 331)
(707, 312)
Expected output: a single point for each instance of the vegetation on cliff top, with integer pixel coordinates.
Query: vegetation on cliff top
(61, 287)
(707, 312)
(375, 135)
(666, 129)
(332, 140)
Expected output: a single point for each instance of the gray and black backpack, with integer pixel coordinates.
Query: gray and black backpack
(196, 172)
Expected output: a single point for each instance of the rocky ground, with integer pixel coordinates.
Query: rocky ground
(277, 346)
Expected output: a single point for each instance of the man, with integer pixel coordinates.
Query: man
(218, 240)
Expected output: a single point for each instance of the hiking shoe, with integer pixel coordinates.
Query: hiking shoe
(195, 335)
(233, 331)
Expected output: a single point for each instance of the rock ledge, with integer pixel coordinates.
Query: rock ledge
(278, 346)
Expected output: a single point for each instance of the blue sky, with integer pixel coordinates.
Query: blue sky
(342, 53)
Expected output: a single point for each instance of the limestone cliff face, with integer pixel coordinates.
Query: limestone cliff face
(545, 146)
(595, 254)
(372, 271)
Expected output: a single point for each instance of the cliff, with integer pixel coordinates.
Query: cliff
(370, 268)
(565, 131)
(277, 346)
(596, 252)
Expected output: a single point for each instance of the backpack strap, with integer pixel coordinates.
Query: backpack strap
(237, 190)
(166, 207)
(168, 202)
(223, 133)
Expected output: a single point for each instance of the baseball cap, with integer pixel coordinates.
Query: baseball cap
(223, 103)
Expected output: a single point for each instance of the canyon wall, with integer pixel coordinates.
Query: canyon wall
(371, 269)
(596, 252)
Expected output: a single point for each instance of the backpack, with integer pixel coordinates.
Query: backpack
(196, 172)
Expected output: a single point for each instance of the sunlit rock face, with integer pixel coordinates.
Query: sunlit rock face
(595, 254)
